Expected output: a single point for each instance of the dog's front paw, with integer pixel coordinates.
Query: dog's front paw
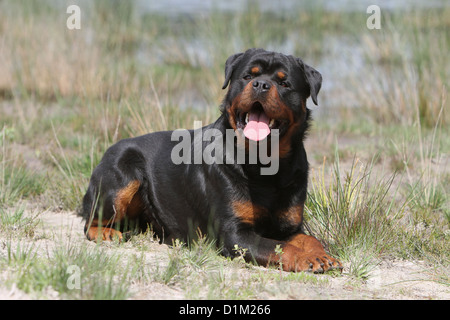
(317, 262)
(305, 253)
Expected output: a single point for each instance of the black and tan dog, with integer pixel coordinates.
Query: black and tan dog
(138, 182)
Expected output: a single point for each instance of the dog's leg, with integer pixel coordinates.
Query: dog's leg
(126, 204)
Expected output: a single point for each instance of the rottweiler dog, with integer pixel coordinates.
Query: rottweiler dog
(156, 181)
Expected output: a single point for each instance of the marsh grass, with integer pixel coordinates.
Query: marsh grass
(354, 213)
(100, 278)
(43, 270)
(409, 69)
(75, 171)
(185, 261)
(427, 201)
(202, 273)
(16, 181)
(428, 194)
(17, 222)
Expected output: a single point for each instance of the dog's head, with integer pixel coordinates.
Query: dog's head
(268, 90)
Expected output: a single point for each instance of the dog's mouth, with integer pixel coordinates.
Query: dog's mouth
(257, 125)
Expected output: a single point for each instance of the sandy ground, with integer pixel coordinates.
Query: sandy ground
(392, 279)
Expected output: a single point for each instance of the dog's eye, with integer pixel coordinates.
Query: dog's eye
(284, 84)
(247, 77)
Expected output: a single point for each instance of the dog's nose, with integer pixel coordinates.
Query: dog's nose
(261, 85)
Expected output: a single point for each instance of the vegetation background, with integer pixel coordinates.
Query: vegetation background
(379, 147)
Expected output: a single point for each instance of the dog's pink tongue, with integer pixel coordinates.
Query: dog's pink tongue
(257, 127)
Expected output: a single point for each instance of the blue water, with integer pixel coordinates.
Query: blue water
(174, 7)
(192, 7)
(343, 60)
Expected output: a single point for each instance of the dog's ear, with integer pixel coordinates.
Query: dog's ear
(313, 78)
(230, 65)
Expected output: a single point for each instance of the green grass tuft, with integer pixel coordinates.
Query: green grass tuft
(355, 214)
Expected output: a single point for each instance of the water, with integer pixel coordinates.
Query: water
(192, 7)
(202, 7)
(344, 57)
